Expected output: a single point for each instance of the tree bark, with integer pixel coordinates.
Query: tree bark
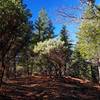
(14, 65)
(99, 74)
(98, 63)
(2, 73)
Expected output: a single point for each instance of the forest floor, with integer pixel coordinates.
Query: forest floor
(45, 88)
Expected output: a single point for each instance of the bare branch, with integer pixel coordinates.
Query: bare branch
(74, 14)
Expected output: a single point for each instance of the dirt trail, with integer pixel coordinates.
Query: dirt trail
(44, 88)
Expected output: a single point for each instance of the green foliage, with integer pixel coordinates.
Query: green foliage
(89, 38)
(49, 54)
(80, 68)
(50, 30)
(48, 45)
(15, 27)
(64, 36)
(15, 33)
(43, 27)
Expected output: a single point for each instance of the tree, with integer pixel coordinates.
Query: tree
(15, 30)
(89, 42)
(43, 27)
(25, 60)
(79, 67)
(50, 30)
(51, 53)
(67, 45)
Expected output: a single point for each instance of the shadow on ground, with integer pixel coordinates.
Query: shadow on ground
(44, 88)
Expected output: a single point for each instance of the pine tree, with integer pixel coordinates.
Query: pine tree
(64, 37)
(88, 40)
(80, 67)
(43, 27)
(67, 44)
(50, 30)
(40, 26)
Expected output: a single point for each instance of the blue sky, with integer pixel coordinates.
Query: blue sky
(51, 7)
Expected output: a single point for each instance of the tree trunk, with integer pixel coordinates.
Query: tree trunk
(14, 65)
(99, 74)
(2, 73)
(31, 72)
(7, 72)
(64, 70)
(98, 63)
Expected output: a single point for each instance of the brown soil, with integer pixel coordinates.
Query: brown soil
(45, 88)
